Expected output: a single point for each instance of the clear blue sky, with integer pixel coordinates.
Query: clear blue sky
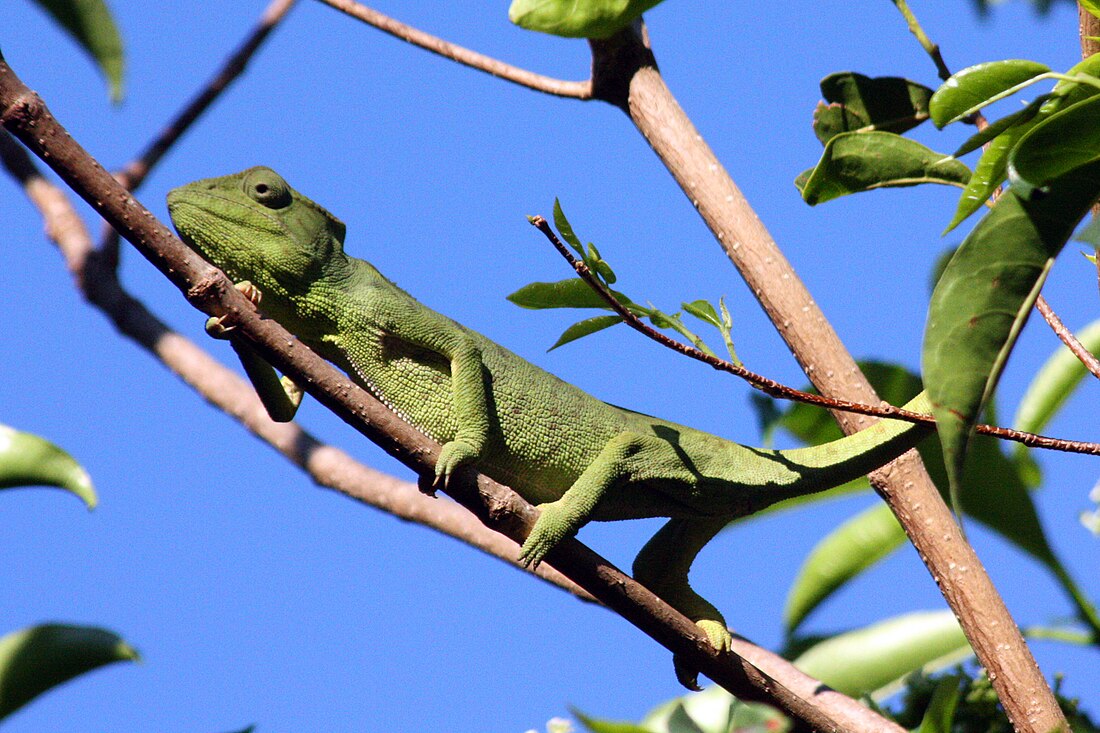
(254, 596)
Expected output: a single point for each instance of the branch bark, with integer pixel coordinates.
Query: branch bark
(625, 74)
(1066, 336)
(26, 116)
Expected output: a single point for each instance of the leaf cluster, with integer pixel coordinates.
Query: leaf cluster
(576, 293)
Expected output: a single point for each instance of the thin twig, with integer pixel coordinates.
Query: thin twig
(1072, 343)
(932, 49)
(558, 87)
(133, 174)
(205, 287)
(782, 391)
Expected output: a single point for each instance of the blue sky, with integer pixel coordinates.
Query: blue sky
(257, 598)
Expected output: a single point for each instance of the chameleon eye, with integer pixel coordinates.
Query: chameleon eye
(265, 187)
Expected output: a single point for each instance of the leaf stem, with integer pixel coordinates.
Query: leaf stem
(932, 49)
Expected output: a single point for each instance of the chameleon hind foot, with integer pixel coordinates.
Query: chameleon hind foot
(452, 456)
(719, 637)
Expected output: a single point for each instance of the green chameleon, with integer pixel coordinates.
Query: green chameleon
(578, 458)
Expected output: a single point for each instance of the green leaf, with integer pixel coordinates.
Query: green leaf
(1062, 142)
(802, 179)
(589, 326)
(863, 161)
(976, 86)
(1091, 6)
(577, 18)
(1090, 234)
(91, 24)
(991, 171)
(28, 460)
(660, 319)
(876, 658)
(1071, 92)
(1054, 383)
(994, 491)
(984, 297)
(1090, 520)
(572, 293)
(704, 311)
(842, 555)
(40, 657)
(992, 168)
(991, 131)
(597, 263)
(857, 102)
(604, 270)
(711, 711)
(941, 710)
(597, 725)
(566, 230)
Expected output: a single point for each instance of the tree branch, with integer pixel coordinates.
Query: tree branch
(1083, 355)
(548, 85)
(782, 391)
(24, 114)
(625, 74)
(134, 173)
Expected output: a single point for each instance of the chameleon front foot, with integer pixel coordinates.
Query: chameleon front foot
(215, 325)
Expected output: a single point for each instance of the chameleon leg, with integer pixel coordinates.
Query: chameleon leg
(279, 395)
(562, 518)
(663, 565)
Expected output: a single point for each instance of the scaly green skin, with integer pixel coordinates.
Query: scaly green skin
(578, 458)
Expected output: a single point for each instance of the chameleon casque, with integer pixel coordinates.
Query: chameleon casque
(578, 458)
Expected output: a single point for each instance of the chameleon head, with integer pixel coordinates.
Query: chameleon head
(255, 227)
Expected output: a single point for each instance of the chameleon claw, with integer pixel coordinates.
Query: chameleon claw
(529, 557)
(426, 485)
(685, 674)
(215, 327)
(250, 291)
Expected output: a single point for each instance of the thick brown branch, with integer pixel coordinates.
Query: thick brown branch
(782, 391)
(473, 59)
(625, 74)
(26, 116)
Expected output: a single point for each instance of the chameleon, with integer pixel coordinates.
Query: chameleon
(577, 458)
